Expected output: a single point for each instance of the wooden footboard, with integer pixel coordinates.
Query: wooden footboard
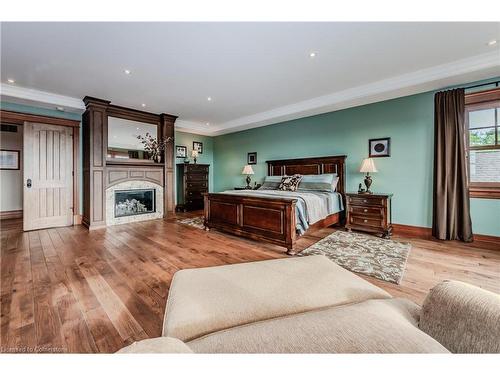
(267, 219)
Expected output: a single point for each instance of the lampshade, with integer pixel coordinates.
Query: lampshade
(247, 170)
(368, 166)
(194, 153)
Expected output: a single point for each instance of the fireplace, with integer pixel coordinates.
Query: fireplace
(134, 202)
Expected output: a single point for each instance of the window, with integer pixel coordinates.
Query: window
(482, 115)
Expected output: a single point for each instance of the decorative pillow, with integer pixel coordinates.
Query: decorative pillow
(290, 183)
(319, 182)
(271, 183)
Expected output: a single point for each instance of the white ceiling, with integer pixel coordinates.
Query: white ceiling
(255, 73)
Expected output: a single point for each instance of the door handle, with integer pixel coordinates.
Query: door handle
(28, 182)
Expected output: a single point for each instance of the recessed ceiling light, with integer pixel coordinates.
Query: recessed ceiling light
(207, 123)
(312, 54)
(10, 80)
(209, 98)
(137, 128)
(127, 72)
(143, 105)
(492, 42)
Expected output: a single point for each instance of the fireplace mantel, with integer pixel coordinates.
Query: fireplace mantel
(100, 173)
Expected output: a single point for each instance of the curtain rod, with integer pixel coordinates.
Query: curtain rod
(483, 84)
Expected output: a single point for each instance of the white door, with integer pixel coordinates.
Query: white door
(48, 180)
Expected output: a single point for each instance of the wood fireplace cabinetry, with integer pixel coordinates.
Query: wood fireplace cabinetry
(100, 172)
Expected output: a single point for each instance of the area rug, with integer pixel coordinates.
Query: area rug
(196, 222)
(369, 255)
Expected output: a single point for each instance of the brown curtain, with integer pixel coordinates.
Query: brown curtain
(451, 211)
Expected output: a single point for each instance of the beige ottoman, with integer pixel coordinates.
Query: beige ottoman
(207, 300)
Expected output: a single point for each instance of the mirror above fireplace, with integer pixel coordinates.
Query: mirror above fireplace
(122, 139)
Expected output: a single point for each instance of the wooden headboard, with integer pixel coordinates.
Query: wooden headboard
(317, 165)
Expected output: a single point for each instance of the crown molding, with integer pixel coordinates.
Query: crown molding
(25, 95)
(434, 78)
(193, 127)
(465, 70)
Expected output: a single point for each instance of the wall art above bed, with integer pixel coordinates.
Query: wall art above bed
(252, 158)
(379, 147)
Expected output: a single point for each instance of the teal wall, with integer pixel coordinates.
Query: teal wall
(408, 173)
(186, 139)
(53, 113)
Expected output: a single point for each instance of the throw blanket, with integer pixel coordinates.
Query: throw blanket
(311, 207)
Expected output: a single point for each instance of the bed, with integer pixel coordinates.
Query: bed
(273, 216)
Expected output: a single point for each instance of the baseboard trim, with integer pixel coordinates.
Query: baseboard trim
(480, 240)
(411, 231)
(494, 240)
(15, 214)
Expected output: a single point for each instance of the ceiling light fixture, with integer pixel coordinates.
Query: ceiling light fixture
(127, 72)
(207, 123)
(492, 42)
(10, 80)
(209, 98)
(143, 105)
(312, 54)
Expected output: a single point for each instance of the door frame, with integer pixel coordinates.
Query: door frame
(19, 118)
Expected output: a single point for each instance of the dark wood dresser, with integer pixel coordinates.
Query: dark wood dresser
(192, 183)
(369, 213)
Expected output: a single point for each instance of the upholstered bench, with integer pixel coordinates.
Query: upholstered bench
(293, 305)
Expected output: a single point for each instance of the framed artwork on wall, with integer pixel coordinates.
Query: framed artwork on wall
(9, 159)
(252, 158)
(379, 147)
(198, 146)
(180, 151)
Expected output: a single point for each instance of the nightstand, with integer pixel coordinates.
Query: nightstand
(369, 213)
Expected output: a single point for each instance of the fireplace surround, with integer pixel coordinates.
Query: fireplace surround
(133, 201)
(102, 174)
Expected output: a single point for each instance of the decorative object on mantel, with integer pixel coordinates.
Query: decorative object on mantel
(194, 155)
(369, 255)
(379, 147)
(197, 222)
(366, 167)
(180, 151)
(9, 159)
(198, 146)
(252, 158)
(154, 146)
(247, 170)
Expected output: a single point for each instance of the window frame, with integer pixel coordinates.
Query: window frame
(473, 102)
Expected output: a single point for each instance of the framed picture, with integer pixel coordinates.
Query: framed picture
(181, 151)
(9, 159)
(379, 147)
(198, 146)
(252, 158)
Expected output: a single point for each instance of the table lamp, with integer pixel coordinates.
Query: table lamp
(366, 167)
(194, 155)
(247, 170)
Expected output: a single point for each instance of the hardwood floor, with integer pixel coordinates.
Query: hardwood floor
(70, 290)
